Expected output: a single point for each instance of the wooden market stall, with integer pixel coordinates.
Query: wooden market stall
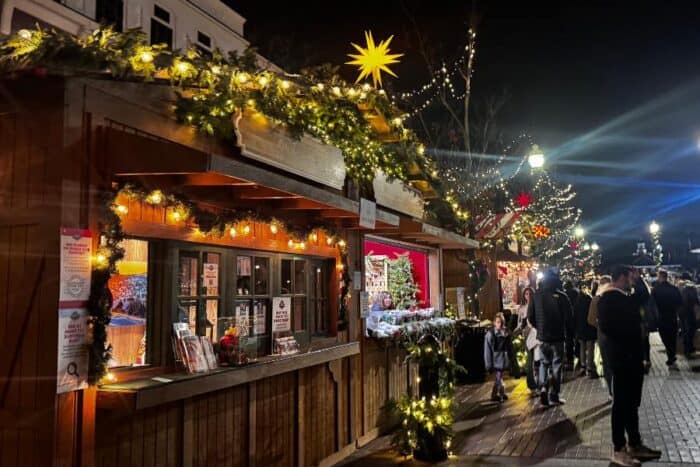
(71, 143)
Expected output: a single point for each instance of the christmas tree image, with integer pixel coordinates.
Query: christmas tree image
(402, 287)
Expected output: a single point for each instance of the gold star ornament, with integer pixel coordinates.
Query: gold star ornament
(373, 59)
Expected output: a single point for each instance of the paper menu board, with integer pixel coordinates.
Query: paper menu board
(76, 267)
(211, 276)
(281, 314)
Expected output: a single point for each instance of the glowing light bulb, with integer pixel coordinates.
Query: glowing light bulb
(146, 56)
(24, 33)
(155, 197)
(341, 243)
(216, 69)
(263, 80)
(290, 243)
(336, 90)
(285, 84)
(302, 245)
(329, 240)
(313, 237)
(273, 228)
(242, 78)
(654, 228)
(246, 230)
(182, 67)
(121, 209)
(176, 216)
(232, 232)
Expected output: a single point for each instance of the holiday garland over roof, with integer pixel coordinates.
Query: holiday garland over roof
(212, 90)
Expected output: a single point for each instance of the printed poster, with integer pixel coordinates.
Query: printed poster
(72, 350)
(211, 275)
(364, 304)
(461, 305)
(76, 269)
(281, 314)
(242, 317)
(259, 323)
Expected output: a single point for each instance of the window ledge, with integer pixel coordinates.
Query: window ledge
(144, 393)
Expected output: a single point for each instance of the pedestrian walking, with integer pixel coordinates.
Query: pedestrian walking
(668, 301)
(585, 334)
(687, 315)
(550, 313)
(531, 343)
(598, 290)
(572, 293)
(647, 311)
(620, 331)
(498, 355)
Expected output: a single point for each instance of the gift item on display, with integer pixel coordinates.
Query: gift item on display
(286, 346)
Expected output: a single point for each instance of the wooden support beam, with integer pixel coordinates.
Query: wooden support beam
(299, 204)
(338, 214)
(259, 192)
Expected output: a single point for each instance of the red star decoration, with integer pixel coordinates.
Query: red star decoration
(524, 200)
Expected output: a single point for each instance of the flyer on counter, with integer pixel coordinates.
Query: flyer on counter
(73, 357)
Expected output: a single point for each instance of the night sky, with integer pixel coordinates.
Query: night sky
(610, 90)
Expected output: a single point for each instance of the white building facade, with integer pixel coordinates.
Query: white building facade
(205, 24)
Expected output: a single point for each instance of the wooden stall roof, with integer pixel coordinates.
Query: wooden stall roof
(224, 182)
(144, 393)
(416, 231)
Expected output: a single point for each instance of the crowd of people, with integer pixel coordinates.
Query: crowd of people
(563, 324)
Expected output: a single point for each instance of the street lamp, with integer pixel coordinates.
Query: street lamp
(536, 158)
(579, 232)
(654, 228)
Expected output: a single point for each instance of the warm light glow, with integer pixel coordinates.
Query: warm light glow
(263, 81)
(536, 161)
(341, 243)
(302, 245)
(146, 56)
(155, 197)
(121, 209)
(216, 69)
(397, 121)
(232, 232)
(285, 84)
(336, 91)
(373, 59)
(246, 230)
(579, 232)
(654, 228)
(313, 237)
(182, 67)
(100, 260)
(110, 377)
(290, 243)
(24, 33)
(242, 78)
(273, 228)
(595, 247)
(177, 217)
(421, 149)
(586, 246)
(540, 275)
(329, 240)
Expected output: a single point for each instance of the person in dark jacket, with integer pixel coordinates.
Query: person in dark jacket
(643, 294)
(687, 315)
(586, 334)
(620, 332)
(572, 293)
(498, 355)
(550, 313)
(668, 300)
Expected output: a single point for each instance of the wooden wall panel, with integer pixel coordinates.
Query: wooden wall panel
(30, 133)
(375, 382)
(276, 419)
(319, 435)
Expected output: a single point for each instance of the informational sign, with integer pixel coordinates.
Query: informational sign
(368, 213)
(75, 272)
(211, 275)
(242, 317)
(281, 314)
(357, 280)
(72, 350)
(461, 305)
(364, 304)
(260, 314)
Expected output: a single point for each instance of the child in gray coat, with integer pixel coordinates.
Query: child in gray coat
(498, 354)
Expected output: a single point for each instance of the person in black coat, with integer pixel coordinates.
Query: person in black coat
(668, 300)
(585, 334)
(550, 313)
(620, 333)
(687, 315)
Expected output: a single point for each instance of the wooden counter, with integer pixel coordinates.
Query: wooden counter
(143, 393)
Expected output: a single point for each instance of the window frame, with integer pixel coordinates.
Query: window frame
(167, 24)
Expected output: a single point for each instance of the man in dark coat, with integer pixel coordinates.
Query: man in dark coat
(585, 334)
(572, 344)
(550, 313)
(620, 332)
(668, 300)
(687, 315)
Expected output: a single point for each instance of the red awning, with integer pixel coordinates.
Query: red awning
(495, 224)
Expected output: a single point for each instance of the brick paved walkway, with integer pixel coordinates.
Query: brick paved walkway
(520, 432)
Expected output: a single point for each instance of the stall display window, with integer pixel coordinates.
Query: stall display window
(198, 285)
(244, 274)
(318, 292)
(293, 282)
(262, 276)
(127, 330)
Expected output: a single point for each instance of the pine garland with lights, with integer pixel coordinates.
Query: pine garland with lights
(426, 427)
(213, 91)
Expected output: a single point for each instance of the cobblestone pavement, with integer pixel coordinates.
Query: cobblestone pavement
(521, 432)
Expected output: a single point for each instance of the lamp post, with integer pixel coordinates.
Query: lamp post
(536, 157)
